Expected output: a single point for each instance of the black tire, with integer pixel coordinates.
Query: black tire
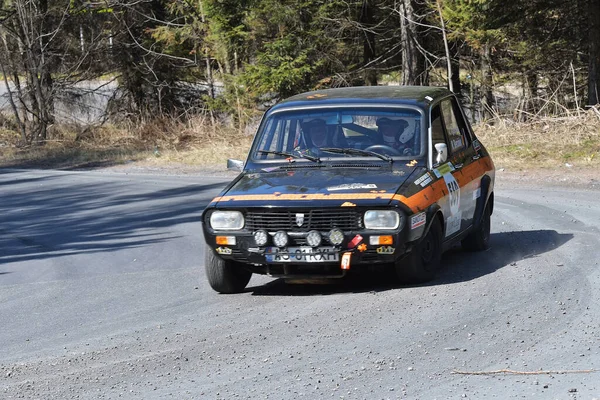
(479, 238)
(422, 262)
(225, 276)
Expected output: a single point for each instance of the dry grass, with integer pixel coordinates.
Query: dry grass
(542, 143)
(160, 142)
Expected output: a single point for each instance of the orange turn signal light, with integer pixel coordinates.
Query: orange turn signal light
(226, 240)
(385, 240)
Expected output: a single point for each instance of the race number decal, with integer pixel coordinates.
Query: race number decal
(454, 219)
(453, 193)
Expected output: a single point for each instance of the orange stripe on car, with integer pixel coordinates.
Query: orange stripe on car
(314, 196)
(424, 198)
(432, 193)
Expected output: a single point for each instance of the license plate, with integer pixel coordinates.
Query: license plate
(301, 254)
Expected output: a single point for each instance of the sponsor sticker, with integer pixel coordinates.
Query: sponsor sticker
(412, 163)
(443, 169)
(355, 241)
(362, 247)
(223, 250)
(386, 250)
(424, 180)
(352, 186)
(457, 143)
(476, 145)
(316, 96)
(453, 224)
(417, 220)
(346, 260)
(348, 204)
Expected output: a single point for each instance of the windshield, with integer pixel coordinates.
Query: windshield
(318, 134)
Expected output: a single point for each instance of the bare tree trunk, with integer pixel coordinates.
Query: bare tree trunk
(366, 19)
(412, 71)
(455, 67)
(448, 58)
(206, 51)
(13, 105)
(531, 80)
(30, 24)
(487, 99)
(594, 53)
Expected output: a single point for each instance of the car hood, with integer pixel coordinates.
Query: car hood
(318, 187)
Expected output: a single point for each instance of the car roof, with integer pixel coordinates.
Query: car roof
(420, 96)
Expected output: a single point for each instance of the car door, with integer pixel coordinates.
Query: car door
(458, 203)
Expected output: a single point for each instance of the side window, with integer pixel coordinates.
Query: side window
(278, 138)
(455, 126)
(463, 124)
(437, 126)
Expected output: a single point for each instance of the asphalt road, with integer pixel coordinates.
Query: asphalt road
(103, 296)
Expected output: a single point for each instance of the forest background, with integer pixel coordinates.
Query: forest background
(186, 81)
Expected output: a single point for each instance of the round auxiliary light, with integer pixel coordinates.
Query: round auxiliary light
(280, 239)
(313, 238)
(261, 237)
(336, 236)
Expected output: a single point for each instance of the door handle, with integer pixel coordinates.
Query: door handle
(458, 166)
(476, 157)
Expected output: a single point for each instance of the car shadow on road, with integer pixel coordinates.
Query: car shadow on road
(43, 218)
(458, 265)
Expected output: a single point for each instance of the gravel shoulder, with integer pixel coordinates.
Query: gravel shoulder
(565, 177)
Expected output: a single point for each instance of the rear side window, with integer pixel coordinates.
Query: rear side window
(455, 125)
(437, 126)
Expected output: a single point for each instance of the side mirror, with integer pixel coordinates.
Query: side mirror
(441, 152)
(235, 165)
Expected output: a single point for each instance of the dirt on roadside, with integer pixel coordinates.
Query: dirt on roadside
(565, 177)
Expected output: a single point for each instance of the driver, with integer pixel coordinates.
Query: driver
(394, 134)
(315, 135)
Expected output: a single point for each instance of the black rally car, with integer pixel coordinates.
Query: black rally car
(351, 178)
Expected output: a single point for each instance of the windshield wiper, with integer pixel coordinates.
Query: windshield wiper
(358, 152)
(291, 155)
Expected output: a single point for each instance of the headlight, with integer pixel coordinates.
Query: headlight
(227, 220)
(382, 219)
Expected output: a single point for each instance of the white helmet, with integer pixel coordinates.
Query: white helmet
(399, 125)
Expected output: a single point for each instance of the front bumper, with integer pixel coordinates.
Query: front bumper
(356, 251)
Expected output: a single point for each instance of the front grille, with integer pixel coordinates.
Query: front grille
(321, 220)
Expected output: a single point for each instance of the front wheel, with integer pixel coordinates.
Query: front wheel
(225, 276)
(421, 263)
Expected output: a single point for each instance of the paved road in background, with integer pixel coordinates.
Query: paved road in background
(102, 295)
